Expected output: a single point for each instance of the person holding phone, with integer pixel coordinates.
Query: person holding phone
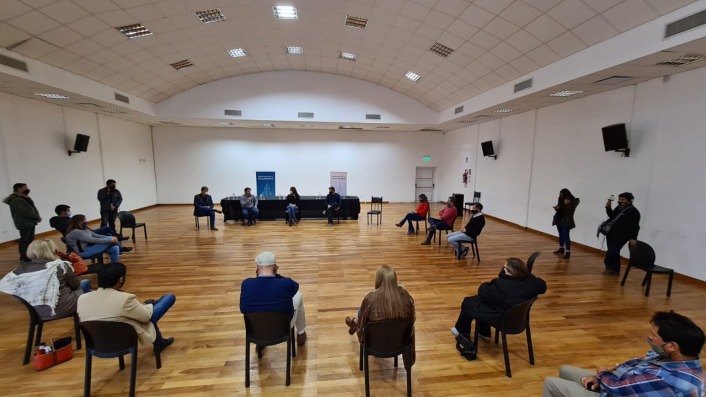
(625, 225)
(564, 220)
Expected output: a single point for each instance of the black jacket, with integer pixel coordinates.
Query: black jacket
(627, 226)
(502, 293)
(474, 226)
(108, 198)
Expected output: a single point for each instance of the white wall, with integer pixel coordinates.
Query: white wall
(35, 137)
(226, 159)
(542, 151)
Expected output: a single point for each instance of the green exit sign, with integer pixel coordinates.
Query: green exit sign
(427, 158)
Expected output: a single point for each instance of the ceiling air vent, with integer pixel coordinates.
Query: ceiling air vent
(684, 24)
(348, 127)
(683, 60)
(523, 85)
(13, 63)
(122, 98)
(431, 130)
(305, 115)
(230, 112)
(612, 80)
(89, 105)
(458, 110)
(372, 117)
(168, 122)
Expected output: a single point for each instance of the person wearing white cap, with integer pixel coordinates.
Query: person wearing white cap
(272, 292)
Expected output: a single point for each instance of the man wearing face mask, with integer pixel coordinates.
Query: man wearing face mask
(671, 368)
(110, 199)
(625, 224)
(62, 220)
(24, 214)
(469, 233)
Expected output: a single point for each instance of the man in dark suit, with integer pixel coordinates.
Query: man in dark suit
(625, 225)
(110, 199)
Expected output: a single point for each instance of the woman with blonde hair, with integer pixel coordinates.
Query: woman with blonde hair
(47, 282)
(388, 301)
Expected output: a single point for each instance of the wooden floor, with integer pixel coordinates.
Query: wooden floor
(585, 318)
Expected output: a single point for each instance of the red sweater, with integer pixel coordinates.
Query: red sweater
(448, 215)
(422, 209)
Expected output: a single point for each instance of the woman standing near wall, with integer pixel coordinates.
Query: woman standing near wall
(564, 220)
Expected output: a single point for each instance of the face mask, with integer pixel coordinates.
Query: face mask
(657, 349)
(474, 211)
(84, 225)
(112, 187)
(68, 214)
(25, 192)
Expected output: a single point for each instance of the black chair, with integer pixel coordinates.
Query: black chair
(375, 209)
(196, 221)
(515, 320)
(297, 216)
(451, 229)
(267, 329)
(474, 247)
(110, 339)
(426, 223)
(476, 197)
(127, 221)
(531, 259)
(386, 339)
(642, 256)
(36, 322)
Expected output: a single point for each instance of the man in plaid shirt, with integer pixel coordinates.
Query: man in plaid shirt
(671, 369)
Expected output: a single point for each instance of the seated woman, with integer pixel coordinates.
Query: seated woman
(417, 215)
(78, 232)
(514, 285)
(292, 205)
(387, 301)
(47, 282)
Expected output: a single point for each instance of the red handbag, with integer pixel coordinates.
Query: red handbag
(80, 266)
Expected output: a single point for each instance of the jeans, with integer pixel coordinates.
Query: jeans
(564, 240)
(113, 250)
(292, 212)
(299, 317)
(411, 216)
(105, 231)
(208, 211)
(85, 286)
(251, 214)
(108, 219)
(612, 254)
(161, 306)
(456, 238)
(26, 237)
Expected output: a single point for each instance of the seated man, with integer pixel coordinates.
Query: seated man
(448, 216)
(110, 303)
(203, 205)
(333, 203)
(670, 368)
(61, 222)
(271, 292)
(469, 233)
(248, 205)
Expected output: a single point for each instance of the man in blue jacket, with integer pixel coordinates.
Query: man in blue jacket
(333, 203)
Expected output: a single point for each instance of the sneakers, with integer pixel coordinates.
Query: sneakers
(165, 343)
(560, 251)
(301, 338)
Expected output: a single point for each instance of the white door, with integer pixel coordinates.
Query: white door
(424, 183)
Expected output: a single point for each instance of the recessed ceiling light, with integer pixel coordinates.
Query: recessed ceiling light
(285, 12)
(268, 125)
(356, 22)
(135, 30)
(566, 93)
(208, 16)
(294, 50)
(52, 96)
(347, 55)
(412, 76)
(504, 111)
(237, 52)
(683, 60)
(227, 124)
(115, 111)
(181, 64)
(441, 50)
(613, 80)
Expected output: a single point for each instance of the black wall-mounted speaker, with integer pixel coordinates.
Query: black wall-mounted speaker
(81, 143)
(487, 148)
(615, 137)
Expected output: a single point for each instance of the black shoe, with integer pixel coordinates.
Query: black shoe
(465, 252)
(126, 249)
(259, 350)
(165, 343)
(560, 251)
(25, 260)
(249, 223)
(567, 255)
(123, 238)
(609, 272)
(149, 302)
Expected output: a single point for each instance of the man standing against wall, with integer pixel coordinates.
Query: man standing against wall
(110, 199)
(25, 216)
(625, 224)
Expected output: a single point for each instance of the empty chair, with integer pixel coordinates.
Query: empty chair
(476, 197)
(531, 259)
(36, 322)
(375, 209)
(515, 320)
(127, 221)
(110, 339)
(642, 256)
(386, 339)
(267, 329)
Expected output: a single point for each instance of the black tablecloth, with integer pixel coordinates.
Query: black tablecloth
(274, 207)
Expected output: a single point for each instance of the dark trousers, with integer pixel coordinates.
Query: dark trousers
(411, 216)
(434, 225)
(208, 211)
(108, 219)
(465, 320)
(330, 211)
(26, 237)
(564, 239)
(612, 254)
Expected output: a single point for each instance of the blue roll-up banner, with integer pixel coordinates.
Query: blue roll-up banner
(265, 183)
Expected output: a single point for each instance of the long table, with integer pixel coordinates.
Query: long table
(275, 207)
